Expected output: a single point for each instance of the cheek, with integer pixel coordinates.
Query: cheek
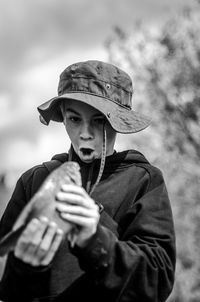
(98, 137)
(111, 136)
(72, 133)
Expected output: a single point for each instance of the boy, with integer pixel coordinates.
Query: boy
(123, 247)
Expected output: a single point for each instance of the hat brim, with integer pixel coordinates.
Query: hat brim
(122, 120)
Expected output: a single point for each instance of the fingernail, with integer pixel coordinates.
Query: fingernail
(57, 195)
(59, 206)
(35, 220)
(53, 224)
(44, 219)
(59, 232)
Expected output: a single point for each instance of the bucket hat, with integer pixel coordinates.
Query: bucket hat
(101, 85)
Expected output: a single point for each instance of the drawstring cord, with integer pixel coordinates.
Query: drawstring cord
(102, 165)
(103, 160)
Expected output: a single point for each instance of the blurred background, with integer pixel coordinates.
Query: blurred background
(158, 44)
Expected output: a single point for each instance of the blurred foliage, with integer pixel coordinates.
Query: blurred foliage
(5, 194)
(165, 67)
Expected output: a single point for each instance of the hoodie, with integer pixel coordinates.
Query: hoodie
(130, 258)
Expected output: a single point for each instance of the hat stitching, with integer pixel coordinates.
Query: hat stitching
(121, 120)
(110, 82)
(82, 91)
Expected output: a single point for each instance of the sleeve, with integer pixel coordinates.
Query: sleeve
(139, 263)
(20, 281)
(13, 209)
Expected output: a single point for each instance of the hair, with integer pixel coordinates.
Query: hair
(62, 106)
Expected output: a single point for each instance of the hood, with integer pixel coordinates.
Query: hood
(118, 160)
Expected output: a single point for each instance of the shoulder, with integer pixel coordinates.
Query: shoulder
(154, 174)
(33, 177)
(37, 171)
(152, 171)
(135, 158)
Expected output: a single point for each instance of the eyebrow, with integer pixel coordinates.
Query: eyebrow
(72, 111)
(75, 112)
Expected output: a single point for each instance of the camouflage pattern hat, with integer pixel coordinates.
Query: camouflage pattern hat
(101, 85)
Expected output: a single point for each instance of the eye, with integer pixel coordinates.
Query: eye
(74, 119)
(99, 120)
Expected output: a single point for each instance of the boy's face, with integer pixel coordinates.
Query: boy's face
(84, 125)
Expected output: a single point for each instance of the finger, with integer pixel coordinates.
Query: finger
(32, 233)
(80, 220)
(46, 240)
(75, 199)
(37, 236)
(73, 189)
(53, 248)
(69, 197)
(76, 210)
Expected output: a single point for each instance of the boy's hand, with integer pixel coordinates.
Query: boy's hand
(39, 242)
(78, 208)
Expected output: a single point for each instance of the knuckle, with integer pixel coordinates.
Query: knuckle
(23, 242)
(44, 262)
(54, 249)
(60, 195)
(34, 243)
(96, 207)
(82, 190)
(34, 262)
(26, 258)
(32, 225)
(17, 253)
(59, 232)
(52, 227)
(43, 249)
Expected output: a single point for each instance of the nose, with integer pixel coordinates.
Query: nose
(86, 131)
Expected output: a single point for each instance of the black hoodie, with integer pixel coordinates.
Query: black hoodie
(130, 258)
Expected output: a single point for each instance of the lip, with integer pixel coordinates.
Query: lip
(87, 154)
(81, 149)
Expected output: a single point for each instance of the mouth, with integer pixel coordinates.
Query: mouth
(87, 154)
(86, 151)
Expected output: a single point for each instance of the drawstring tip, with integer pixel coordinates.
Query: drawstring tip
(101, 207)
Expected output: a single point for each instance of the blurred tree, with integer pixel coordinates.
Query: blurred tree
(165, 66)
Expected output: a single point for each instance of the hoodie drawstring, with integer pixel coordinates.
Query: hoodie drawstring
(103, 160)
(90, 189)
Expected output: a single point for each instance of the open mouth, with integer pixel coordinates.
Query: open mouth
(86, 151)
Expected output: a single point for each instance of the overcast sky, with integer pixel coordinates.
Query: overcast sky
(38, 39)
